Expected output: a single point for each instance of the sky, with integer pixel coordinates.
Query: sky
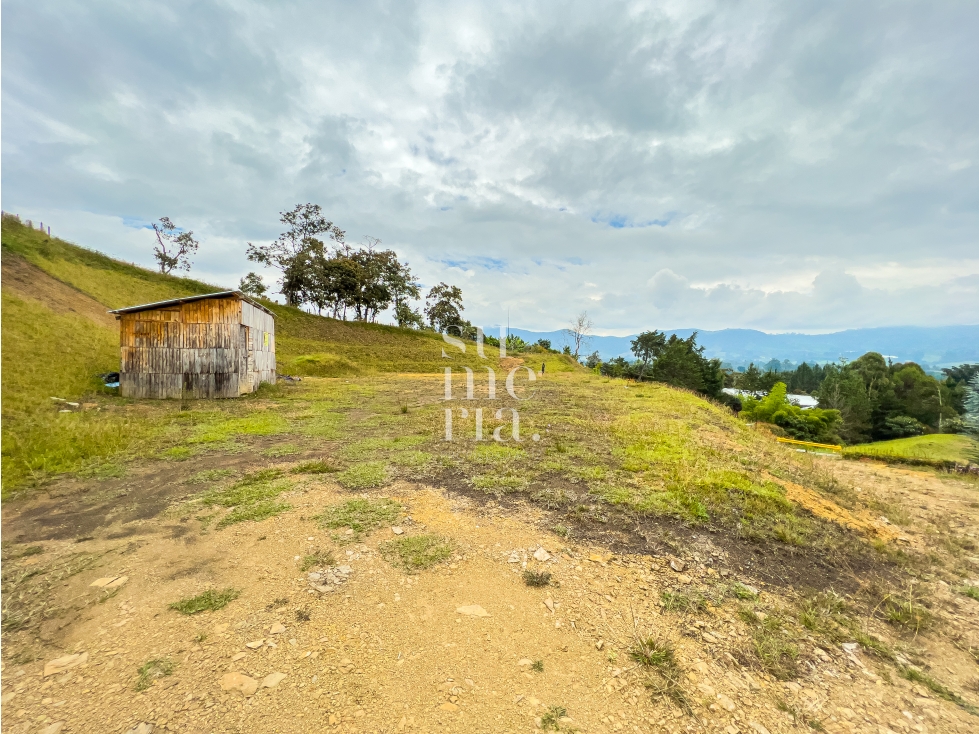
(803, 166)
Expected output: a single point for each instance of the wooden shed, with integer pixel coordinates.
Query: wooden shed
(218, 345)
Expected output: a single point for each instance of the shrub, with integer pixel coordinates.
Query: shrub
(211, 600)
(816, 424)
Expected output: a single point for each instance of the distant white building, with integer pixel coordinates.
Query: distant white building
(803, 401)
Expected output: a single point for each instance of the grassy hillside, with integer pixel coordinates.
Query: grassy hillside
(56, 340)
(650, 450)
(936, 448)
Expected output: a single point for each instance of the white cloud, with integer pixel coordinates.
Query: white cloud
(802, 166)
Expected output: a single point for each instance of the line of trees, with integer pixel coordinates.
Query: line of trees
(876, 399)
(674, 361)
(321, 270)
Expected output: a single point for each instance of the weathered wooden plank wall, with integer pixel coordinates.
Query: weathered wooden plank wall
(212, 348)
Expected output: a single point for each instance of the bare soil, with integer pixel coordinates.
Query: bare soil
(389, 651)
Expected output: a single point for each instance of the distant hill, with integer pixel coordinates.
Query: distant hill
(935, 347)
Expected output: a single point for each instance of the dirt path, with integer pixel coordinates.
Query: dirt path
(388, 651)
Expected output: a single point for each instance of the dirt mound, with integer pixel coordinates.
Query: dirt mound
(30, 282)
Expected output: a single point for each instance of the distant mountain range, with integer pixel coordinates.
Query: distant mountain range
(934, 347)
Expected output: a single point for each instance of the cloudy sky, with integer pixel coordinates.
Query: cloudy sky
(804, 166)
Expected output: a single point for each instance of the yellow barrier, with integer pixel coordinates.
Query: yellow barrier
(831, 446)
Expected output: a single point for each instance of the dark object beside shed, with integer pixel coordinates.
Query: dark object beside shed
(218, 345)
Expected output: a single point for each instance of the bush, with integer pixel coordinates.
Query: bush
(816, 424)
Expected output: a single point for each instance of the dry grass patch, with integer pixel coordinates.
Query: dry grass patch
(413, 553)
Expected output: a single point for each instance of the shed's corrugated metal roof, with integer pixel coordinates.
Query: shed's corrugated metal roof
(187, 299)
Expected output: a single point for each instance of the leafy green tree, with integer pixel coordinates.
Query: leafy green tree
(515, 344)
(253, 285)
(681, 363)
(971, 404)
(647, 346)
(173, 247)
(816, 424)
(957, 380)
(593, 360)
(444, 306)
(408, 317)
(750, 379)
(805, 378)
(299, 244)
(544, 344)
(843, 390)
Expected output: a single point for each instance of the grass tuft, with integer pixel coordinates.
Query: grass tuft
(210, 601)
(905, 612)
(653, 653)
(552, 718)
(675, 601)
(743, 592)
(778, 655)
(364, 476)
(939, 689)
(536, 578)
(416, 552)
(317, 466)
(153, 669)
(317, 559)
(664, 679)
(360, 515)
(970, 591)
(251, 498)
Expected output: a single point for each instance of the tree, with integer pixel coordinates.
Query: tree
(681, 362)
(843, 390)
(581, 327)
(515, 344)
(299, 241)
(647, 346)
(407, 317)
(971, 419)
(252, 285)
(751, 379)
(544, 344)
(815, 424)
(444, 306)
(402, 285)
(594, 359)
(173, 247)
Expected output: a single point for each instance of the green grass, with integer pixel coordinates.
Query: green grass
(317, 559)
(970, 591)
(317, 466)
(252, 498)
(652, 653)
(153, 669)
(364, 476)
(360, 515)
(937, 448)
(675, 601)
(209, 601)
(48, 353)
(551, 719)
(209, 476)
(414, 553)
(667, 454)
(939, 689)
(663, 677)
